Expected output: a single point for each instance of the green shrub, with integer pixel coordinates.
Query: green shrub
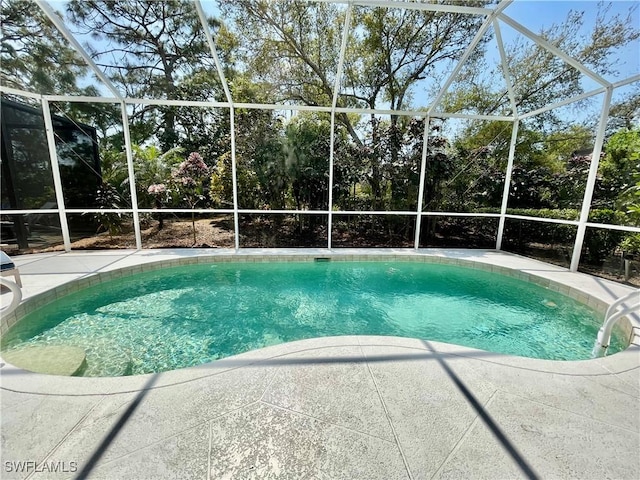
(599, 243)
(557, 213)
(631, 245)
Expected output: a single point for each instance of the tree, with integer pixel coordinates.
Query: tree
(153, 167)
(307, 149)
(260, 158)
(538, 76)
(619, 172)
(294, 47)
(34, 54)
(36, 57)
(625, 113)
(188, 180)
(550, 170)
(155, 49)
(392, 49)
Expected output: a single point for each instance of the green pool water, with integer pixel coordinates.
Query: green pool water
(184, 316)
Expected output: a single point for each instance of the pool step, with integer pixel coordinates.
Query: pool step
(48, 359)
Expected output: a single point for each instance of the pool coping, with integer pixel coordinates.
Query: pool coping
(593, 291)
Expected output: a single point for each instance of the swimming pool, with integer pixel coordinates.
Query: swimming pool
(188, 315)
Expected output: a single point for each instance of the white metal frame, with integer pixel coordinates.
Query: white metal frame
(55, 170)
(507, 184)
(591, 181)
(493, 17)
(334, 104)
(132, 175)
(423, 169)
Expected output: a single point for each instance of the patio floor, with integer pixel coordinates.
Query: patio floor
(339, 407)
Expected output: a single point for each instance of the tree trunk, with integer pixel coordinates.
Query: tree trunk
(193, 226)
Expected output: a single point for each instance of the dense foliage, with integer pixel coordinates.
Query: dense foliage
(286, 53)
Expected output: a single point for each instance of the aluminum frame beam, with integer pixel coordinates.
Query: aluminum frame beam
(81, 99)
(505, 69)
(423, 170)
(132, 176)
(282, 106)
(213, 49)
(334, 102)
(621, 228)
(460, 214)
(507, 184)
(627, 81)
(624, 228)
(55, 170)
(543, 220)
(232, 120)
(432, 7)
(178, 103)
(562, 103)
(577, 98)
(20, 93)
(591, 181)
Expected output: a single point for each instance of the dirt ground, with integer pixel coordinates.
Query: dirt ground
(218, 232)
(175, 233)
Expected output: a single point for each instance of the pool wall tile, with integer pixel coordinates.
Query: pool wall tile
(20, 311)
(540, 281)
(554, 286)
(36, 303)
(49, 296)
(4, 322)
(13, 319)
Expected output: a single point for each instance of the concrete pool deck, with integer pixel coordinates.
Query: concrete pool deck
(337, 407)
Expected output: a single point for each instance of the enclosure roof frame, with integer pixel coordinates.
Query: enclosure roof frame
(467, 53)
(428, 7)
(494, 13)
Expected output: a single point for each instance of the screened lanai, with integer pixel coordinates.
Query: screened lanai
(324, 124)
